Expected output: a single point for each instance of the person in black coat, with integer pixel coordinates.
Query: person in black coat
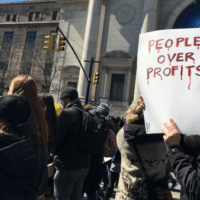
(93, 178)
(71, 166)
(186, 173)
(21, 168)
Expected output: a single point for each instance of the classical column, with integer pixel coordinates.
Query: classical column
(105, 84)
(128, 84)
(103, 78)
(149, 23)
(90, 42)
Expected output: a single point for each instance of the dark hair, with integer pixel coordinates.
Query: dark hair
(23, 132)
(51, 118)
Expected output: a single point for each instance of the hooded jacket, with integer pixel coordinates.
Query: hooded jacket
(153, 156)
(20, 170)
(69, 127)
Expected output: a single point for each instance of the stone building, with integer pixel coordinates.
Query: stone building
(105, 30)
(108, 31)
(23, 27)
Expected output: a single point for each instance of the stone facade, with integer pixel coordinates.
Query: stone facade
(108, 31)
(105, 30)
(20, 27)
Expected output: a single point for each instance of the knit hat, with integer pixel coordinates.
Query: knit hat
(96, 112)
(104, 108)
(70, 93)
(15, 109)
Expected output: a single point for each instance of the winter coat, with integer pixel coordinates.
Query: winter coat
(69, 127)
(153, 155)
(93, 178)
(21, 169)
(111, 125)
(187, 174)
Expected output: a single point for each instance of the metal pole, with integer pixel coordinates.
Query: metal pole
(89, 81)
(57, 28)
(91, 65)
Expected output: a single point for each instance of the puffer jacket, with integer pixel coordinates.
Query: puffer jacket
(20, 170)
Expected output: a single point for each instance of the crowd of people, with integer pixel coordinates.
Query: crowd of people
(45, 156)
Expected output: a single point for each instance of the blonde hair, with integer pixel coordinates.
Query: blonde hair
(89, 107)
(25, 85)
(135, 113)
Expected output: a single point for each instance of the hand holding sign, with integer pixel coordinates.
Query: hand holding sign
(169, 78)
(172, 136)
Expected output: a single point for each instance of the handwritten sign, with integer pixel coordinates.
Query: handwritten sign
(168, 69)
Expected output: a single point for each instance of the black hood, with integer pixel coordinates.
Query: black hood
(136, 133)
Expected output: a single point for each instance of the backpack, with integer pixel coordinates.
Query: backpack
(93, 134)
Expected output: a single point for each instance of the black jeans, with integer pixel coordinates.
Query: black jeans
(114, 177)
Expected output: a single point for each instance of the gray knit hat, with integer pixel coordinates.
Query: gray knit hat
(104, 108)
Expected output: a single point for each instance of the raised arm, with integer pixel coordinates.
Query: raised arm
(188, 177)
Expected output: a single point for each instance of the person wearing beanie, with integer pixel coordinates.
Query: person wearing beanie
(68, 95)
(104, 109)
(71, 166)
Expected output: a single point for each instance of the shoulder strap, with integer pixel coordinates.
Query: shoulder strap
(138, 155)
(78, 109)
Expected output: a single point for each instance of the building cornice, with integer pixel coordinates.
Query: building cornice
(28, 24)
(27, 2)
(72, 2)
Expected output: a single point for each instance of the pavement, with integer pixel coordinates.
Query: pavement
(175, 192)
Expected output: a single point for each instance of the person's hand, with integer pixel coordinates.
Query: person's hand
(141, 101)
(172, 136)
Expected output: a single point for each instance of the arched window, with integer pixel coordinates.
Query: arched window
(190, 17)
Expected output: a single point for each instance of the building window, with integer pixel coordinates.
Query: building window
(8, 18)
(30, 40)
(48, 69)
(117, 87)
(8, 39)
(37, 16)
(3, 66)
(14, 18)
(30, 16)
(72, 84)
(54, 17)
(25, 69)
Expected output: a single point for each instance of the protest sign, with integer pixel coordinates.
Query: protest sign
(168, 70)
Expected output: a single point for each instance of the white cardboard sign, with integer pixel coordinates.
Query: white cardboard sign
(168, 69)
